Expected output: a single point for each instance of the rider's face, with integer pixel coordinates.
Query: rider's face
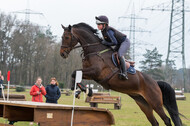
(100, 26)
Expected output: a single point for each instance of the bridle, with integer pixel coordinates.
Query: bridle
(71, 47)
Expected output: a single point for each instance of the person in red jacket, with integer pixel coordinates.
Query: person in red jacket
(37, 91)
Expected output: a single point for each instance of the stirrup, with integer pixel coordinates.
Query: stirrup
(123, 76)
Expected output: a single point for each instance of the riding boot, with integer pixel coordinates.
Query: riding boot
(123, 74)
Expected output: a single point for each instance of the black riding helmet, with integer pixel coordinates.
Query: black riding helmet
(102, 20)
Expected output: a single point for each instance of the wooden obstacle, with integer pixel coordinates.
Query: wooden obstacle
(97, 94)
(66, 92)
(47, 114)
(14, 97)
(104, 98)
(179, 95)
(101, 94)
(95, 100)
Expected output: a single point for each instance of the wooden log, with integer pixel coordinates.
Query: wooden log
(10, 99)
(15, 96)
(55, 114)
(1, 124)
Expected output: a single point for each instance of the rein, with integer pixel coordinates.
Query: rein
(87, 45)
(97, 53)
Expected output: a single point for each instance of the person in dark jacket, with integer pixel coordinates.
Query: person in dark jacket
(53, 92)
(1, 83)
(112, 37)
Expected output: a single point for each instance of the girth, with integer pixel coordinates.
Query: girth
(107, 78)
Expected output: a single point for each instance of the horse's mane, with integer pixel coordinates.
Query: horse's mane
(86, 26)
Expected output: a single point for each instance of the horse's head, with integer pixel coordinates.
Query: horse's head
(68, 42)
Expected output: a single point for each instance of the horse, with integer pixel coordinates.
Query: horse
(98, 66)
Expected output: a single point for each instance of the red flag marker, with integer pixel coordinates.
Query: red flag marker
(8, 76)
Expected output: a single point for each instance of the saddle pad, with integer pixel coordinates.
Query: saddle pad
(130, 70)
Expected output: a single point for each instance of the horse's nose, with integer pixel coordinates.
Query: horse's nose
(64, 54)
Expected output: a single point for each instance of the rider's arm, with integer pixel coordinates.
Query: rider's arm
(112, 38)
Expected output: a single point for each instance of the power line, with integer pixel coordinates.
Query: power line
(133, 29)
(28, 12)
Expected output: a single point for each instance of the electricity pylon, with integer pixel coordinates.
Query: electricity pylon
(176, 42)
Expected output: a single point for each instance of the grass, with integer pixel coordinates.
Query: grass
(129, 114)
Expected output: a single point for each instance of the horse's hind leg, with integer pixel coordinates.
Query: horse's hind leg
(156, 104)
(146, 108)
(162, 114)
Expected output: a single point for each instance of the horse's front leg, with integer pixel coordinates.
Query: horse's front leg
(87, 74)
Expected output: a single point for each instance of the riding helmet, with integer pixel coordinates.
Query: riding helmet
(102, 19)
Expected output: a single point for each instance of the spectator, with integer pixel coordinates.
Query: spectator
(1, 83)
(37, 91)
(53, 92)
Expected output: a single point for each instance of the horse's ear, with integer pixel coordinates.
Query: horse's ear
(69, 27)
(62, 26)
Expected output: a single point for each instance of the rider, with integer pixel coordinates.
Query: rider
(113, 37)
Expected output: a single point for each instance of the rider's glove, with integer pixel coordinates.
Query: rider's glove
(107, 43)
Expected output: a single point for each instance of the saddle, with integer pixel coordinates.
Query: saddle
(129, 64)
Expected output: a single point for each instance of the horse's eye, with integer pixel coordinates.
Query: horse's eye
(66, 37)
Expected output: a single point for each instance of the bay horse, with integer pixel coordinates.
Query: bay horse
(97, 65)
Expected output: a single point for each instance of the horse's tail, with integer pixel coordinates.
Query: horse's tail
(169, 101)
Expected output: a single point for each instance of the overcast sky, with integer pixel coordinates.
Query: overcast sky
(57, 12)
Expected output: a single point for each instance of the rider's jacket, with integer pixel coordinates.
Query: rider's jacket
(112, 36)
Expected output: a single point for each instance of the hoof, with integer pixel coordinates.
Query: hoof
(77, 94)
